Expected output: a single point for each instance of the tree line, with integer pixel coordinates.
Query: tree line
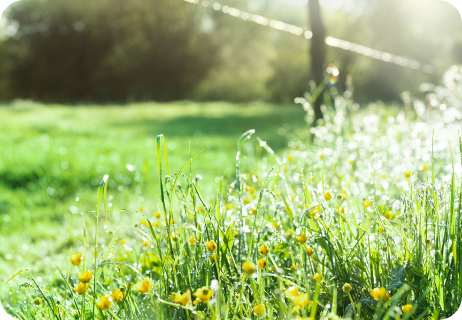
(139, 50)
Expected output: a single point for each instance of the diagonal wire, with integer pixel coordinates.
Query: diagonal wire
(307, 34)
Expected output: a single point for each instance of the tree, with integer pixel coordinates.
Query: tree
(318, 52)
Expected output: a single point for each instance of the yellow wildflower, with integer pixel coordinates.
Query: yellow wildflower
(380, 293)
(309, 251)
(291, 293)
(145, 243)
(407, 174)
(290, 157)
(122, 242)
(408, 308)
(264, 250)
(155, 224)
(203, 295)
(118, 295)
(327, 196)
(294, 266)
(275, 225)
(143, 286)
(85, 276)
(211, 245)
(249, 267)
(181, 299)
(381, 229)
(289, 233)
(103, 303)
(347, 287)
(76, 259)
(262, 263)
(192, 241)
(81, 288)
(301, 238)
(301, 300)
(214, 258)
(157, 215)
(366, 203)
(316, 277)
(37, 301)
(259, 310)
(229, 206)
(316, 210)
(253, 211)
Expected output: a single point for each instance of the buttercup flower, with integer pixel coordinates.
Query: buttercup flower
(259, 310)
(262, 263)
(157, 215)
(249, 267)
(81, 288)
(407, 174)
(366, 203)
(309, 251)
(380, 293)
(408, 308)
(181, 299)
(145, 243)
(214, 258)
(301, 300)
(122, 242)
(327, 196)
(289, 233)
(192, 240)
(143, 286)
(347, 287)
(301, 238)
(37, 301)
(118, 295)
(211, 245)
(316, 277)
(103, 303)
(76, 259)
(264, 250)
(85, 276)
(290, 157)
(291, 293)
(253, 211)
(203, 295)
(381, 229)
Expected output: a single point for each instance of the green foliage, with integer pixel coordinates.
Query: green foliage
(107, 50)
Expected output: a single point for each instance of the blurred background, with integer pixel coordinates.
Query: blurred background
(86, 86)
(144, 50)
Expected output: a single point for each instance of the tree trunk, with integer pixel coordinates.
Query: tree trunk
(318, 52)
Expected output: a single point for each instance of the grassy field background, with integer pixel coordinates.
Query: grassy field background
(51, 154)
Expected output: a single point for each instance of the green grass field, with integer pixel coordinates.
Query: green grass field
(49, 155)
(358, 218)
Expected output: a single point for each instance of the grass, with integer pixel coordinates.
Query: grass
(52, 154)
(359, 218)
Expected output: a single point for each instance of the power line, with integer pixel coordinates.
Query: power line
(307, 34)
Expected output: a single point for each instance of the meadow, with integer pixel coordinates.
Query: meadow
(357, 218)
(52, 154)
